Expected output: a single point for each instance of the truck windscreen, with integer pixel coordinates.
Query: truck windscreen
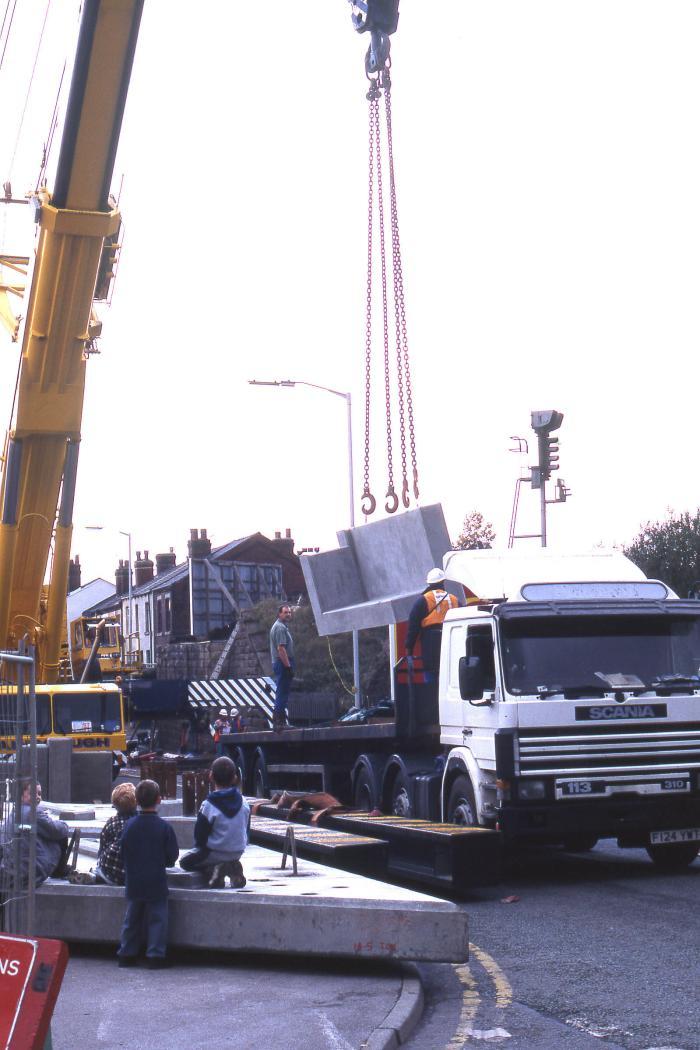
(548, 655)
(86, 713)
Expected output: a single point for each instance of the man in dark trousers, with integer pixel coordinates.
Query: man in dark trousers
(425, 622)
(149, 847)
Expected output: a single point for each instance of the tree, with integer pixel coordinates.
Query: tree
(476, 533)
(670, 551)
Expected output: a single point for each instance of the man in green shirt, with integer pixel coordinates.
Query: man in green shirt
(282, 656)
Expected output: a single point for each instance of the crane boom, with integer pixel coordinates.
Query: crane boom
(41, 449)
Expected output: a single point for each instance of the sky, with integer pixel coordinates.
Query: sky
(548, 169)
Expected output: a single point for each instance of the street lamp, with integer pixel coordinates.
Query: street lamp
(130, 608)
(351, 494)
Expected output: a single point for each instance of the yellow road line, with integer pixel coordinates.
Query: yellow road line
(470, 1005)
(504, 992)
(471, 999)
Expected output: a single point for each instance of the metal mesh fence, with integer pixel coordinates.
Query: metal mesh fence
(18, 775)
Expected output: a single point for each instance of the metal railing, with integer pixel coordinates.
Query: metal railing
(18, 777)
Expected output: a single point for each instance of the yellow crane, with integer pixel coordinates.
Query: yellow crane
(79, 227)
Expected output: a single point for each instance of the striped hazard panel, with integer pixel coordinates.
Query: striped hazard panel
(247, 694)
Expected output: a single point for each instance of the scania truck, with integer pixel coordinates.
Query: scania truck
(567, 710)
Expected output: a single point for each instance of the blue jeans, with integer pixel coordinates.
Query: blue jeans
(283, 680)
(149, 918)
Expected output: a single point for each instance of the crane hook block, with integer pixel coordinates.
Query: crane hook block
(375, 14)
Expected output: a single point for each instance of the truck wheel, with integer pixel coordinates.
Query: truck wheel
(401, 805)
(580, 843)
(674, 856)
(461, 807)
(364, 795)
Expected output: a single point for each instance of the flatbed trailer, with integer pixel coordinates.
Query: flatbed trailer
(444, 856)
(365, 766)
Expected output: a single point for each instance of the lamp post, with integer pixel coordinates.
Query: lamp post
(130, 608)
(351, 493)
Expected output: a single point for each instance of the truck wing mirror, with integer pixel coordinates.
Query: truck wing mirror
(472, 681)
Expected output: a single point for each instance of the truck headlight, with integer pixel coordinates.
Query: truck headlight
(529, 790)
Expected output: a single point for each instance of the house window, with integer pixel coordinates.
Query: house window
(148, 616)
(168, 619)
(159, 615)
(136, 619)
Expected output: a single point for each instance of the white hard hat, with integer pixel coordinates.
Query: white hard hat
(435, 576)
(233, 712)
(223, 711)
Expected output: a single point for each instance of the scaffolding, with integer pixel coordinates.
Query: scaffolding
(18, 778)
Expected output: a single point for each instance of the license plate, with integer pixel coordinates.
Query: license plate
(676, 835)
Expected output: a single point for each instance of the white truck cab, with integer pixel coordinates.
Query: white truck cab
(569, 702)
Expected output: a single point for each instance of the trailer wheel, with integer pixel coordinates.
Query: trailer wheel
(364, 795)
(461, 807)
(674, 856)
(401, 804)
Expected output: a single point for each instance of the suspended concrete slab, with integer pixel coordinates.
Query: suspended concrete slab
(377, 572)
(320, 911)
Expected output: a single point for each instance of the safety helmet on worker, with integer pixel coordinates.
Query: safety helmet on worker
(435, 576)
(224, 712)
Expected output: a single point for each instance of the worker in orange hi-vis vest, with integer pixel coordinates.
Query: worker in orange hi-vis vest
(425, 621)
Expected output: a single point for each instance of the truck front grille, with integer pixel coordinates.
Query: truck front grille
(607, 749)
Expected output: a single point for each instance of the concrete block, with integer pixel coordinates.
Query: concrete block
(183, 828)
(375, 575)
(60, 752)
(91, 773)
(231, 920)
(41, 763)
(170, 807)
(68, 811)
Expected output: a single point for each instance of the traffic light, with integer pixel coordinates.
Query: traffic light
(548, 455)
(543, 423)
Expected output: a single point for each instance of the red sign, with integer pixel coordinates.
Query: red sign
(31, 971)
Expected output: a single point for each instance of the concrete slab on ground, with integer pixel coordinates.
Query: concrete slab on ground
(320, 911)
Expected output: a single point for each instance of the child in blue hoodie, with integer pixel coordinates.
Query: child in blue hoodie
(221, 829)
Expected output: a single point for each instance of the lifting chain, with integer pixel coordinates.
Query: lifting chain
(380, 84)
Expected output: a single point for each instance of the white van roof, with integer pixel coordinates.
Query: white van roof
(502, 574)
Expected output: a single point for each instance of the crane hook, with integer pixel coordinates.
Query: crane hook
(369, 503)
(392, 504)
(405, 498)
(415, 483)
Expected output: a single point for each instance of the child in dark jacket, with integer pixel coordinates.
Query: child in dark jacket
(149, 846)
(221, 829)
